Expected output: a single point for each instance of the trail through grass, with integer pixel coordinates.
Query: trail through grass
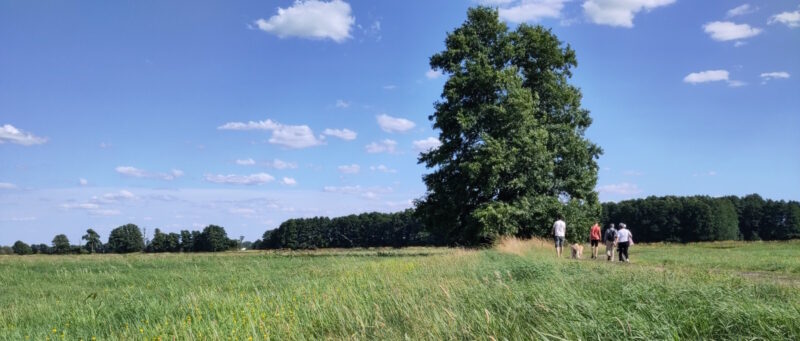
(516, 291)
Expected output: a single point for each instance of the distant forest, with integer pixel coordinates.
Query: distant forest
(653, 219)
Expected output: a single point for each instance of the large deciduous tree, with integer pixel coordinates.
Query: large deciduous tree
(61, 244)
(93, 243)
(126, 239)
(21, 248)
(513, 154)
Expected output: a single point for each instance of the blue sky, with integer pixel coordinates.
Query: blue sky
(176, 115)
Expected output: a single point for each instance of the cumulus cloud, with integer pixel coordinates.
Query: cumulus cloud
(233, 179)
(350, 169)
(289, 181)
(344, 134)
(620, 189)
(382, 168)
(726, 30)
(391, 124)
(9, 133)
(712, 76)
(530, 10)
(83, 182)
(433, 74)
(790, 19)
(385, 146)
(741, 10)
(619, 13)
(280, 164)
(245, 162)
(426, 144)
(140, 173)
(115, 197)
(774, 75)
(342, 104)
(7, 185)
(292, 136)
(311, 19)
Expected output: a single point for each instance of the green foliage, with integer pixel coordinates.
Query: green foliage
(363, 230)
(126, 239)
(21, 248)
(702, 218)
(61, 245)
(93, 243)
(512, 134)
(213, 239)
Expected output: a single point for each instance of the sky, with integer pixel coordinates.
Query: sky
(180, 114)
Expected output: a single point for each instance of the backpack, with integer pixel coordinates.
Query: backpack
(611, 234)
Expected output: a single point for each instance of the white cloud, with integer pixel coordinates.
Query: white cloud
(531, 10)
(252, 125)
(114, 197)
(85, 206)
(9, 133)
(246, 162)
(292, 136)
(741, 10)
(364, 192)
(385, 146)
(7, 185)
(140, 173)
(311, 19)
(391, 124)
(344, 134)
(389, 87)
(774, 75)
(83, 182)
(350, 169)
(706, 76)
(252, 179)
(726, 30)
(619, 12)
(433, 74)
(342, 104)
(790, 19)
(382, 168)
(494, 2)
(426, 144)
(735, 84)
(620, 189)
(104, 212)
(739, 43)
(280, 164)
(708, 173)
(289, 181)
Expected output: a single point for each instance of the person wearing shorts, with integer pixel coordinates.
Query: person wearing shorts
(559, 234)
(594, 238)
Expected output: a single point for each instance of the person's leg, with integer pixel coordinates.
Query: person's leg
(627, 248)
(620, 247)
(623, 252)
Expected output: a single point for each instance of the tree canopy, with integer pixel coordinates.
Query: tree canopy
(513, 154)
(126, 239)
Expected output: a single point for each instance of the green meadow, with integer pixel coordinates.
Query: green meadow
(516, 290)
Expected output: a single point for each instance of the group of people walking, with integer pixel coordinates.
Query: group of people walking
(613, 238)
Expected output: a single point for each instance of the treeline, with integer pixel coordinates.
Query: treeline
(129, 238)
(703, 218)
(362, 230)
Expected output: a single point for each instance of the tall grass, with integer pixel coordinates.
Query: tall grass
(517, 291)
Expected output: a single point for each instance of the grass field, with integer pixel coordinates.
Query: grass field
(515, 291)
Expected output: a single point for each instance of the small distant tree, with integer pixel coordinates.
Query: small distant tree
(61, 244)
(40, 249)
(173, 242)
(186, 241)
(126, 239)
(21, 248)
(212, 239)
(93, 243)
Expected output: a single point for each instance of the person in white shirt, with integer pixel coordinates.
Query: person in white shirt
(624, 240)
(559, 233)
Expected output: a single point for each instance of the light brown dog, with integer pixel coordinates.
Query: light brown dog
(577, 251)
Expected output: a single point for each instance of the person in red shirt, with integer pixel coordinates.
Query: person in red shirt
(594, 238)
